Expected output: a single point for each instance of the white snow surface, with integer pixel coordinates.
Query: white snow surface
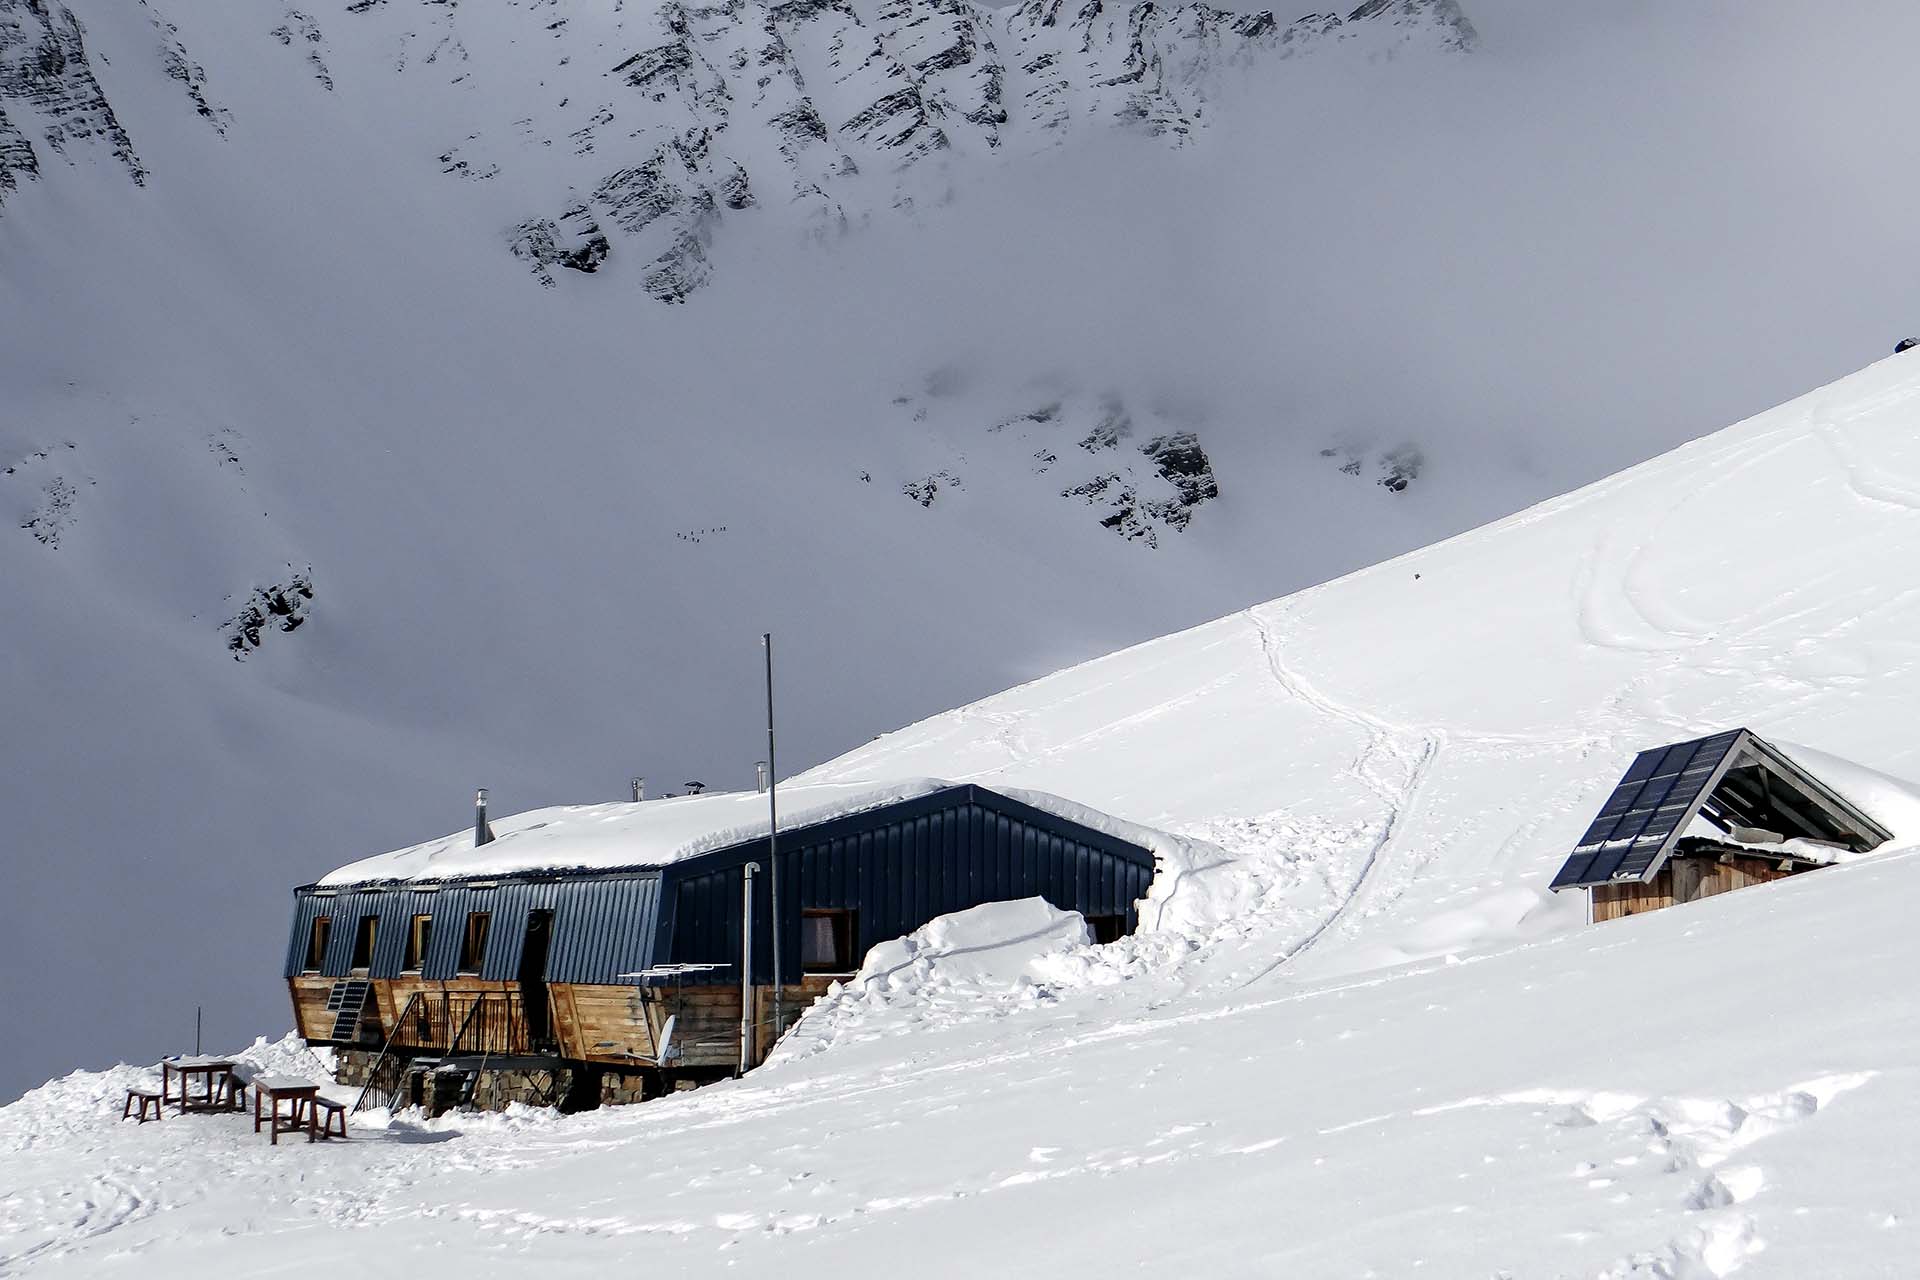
(1372, 1045)
(660, 832)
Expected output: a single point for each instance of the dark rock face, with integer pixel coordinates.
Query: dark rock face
(54, 514)
(810, 110)
(1401, 467)
(574, 242)
(1086, 443)
(300, 29)
(192, 78)
(927, 488)
(1395, 468)
(1184, 465)
(813, 109)
(50, 103)
(282, 606)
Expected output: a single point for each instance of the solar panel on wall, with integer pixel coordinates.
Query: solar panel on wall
(1647, 812)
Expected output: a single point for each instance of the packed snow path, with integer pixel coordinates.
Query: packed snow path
(1456, 1078)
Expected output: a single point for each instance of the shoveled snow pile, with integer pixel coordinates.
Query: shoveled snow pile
(992, 958)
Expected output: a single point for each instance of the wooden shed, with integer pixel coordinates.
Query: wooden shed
(594, 953)
(1702, 817)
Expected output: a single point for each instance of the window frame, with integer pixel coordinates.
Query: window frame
(319, 938)
(419, 939)
(369, 930)
(473, 955)
(1106, 927)
(846, 936)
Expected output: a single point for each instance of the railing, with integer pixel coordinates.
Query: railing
(493, 1023)
(476, 1022)
(442, 1024)
(388, 1074)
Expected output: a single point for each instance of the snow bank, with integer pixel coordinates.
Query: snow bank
(61, 1111)
(1892, 802)
(994, 958)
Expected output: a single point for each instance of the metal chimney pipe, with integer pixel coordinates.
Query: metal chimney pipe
(746, 967)
(760, 776)
(482, 833)
(639, 789)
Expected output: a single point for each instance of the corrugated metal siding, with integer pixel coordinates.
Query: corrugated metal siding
(898, 867)
(910, 864)
(601, 927)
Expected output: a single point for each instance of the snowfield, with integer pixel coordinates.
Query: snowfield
(1365, 1042)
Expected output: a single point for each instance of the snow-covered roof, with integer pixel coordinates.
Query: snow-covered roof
(658, 833)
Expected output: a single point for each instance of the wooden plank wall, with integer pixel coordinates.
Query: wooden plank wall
(609, 1024)
(1685, 880)
(593, 1023)
(310, 1016)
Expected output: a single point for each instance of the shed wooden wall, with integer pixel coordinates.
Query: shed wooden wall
(1684, 880)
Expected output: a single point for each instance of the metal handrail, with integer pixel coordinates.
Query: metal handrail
(386, 1051)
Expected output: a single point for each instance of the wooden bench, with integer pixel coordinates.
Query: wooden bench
(237, 1082)
(148, 1100)
(301, 1095)
(328, 1111)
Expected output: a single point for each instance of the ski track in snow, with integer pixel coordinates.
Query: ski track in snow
(1380, 738)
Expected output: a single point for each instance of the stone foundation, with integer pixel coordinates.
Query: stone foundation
(576, 1084)
(354, 1066)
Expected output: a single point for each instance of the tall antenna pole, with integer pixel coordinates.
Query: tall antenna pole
(773, 845)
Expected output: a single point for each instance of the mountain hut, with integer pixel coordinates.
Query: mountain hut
(595, 953)
(1703, 817)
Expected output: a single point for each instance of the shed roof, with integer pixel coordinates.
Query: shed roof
(658, 833)
(1729, 779)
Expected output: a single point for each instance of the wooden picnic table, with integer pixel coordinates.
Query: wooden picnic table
(220, 1092)
(300, 1094)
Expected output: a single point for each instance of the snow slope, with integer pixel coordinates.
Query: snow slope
(333, 485)
(1373, 1046)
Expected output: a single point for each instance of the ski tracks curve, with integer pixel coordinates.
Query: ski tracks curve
(1388, 765)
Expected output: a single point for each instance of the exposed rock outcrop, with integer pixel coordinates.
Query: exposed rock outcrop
(50, 103)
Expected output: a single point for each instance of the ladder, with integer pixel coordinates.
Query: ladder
(347, 1001)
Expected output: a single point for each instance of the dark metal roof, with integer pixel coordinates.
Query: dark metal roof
(733, 855)
(898, 865)
(1734, 777)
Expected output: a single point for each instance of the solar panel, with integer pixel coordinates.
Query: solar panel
(1646, 813)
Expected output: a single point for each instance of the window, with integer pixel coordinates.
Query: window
(826, 942)
(317, 943)
(473, 948)
(363, 943)
(1107, 928)
(419, 937)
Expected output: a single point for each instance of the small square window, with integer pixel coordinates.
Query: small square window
(826, 941)
(1105, 929)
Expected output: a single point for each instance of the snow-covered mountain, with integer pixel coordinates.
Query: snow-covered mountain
(317, 499)
(1357, 1037)
(319, 508)
(646, 125)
